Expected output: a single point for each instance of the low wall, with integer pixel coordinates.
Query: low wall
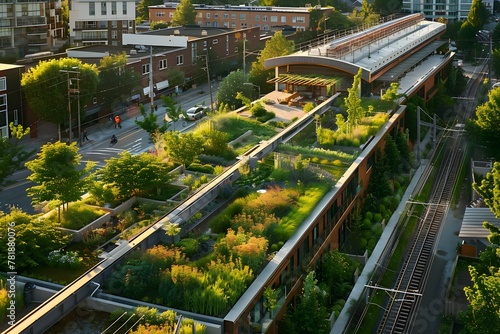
(240, 138)
(77, 235)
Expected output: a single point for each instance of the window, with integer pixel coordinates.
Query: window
(200, 15)
(145, 69)
(265, 27)
(216, 24)
(114, 34)
(3, 83)
(124, 24)
(171, 15)
(264, 18)
(163, 64)
(257, 17)
(226, 24)
(225, 16)
(233, 16)
(104, 9)
(208, 15)
(114, 24)
(180, 60)
(113, 7)
(194, 52)
(274, 18)
(92, 8)
(216, 16)
(233, 25)
(298, 19)
(3, 102)
(243, 17)
(124, 8)
(215, 41)
(208, 24)
(283, 19)
(160, 14)
(243, 25)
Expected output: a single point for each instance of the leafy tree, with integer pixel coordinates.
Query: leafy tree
(142, 174)
(116, 82)
(58, 176)
(172, 110)
(392, 156)
(402, 140)
(143, 11)
(457, 81)
(46, 88)
(183, 148)
(184, 14)
(466, 37)
(489, 189)
(175, 77)
(276, 46)
(353, 103)
(35, 239)
(12, 154)
(482, 315)
(379, 183)
(484, 128)
(157, 25)
(478, 14)
(149, 122)
(391, 94)
(230, 87)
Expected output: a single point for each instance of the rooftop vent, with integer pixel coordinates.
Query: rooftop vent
(203, 33)
(177, 32)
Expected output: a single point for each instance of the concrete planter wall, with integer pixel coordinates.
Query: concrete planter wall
(77, 235)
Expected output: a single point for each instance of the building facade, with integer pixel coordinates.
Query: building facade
(11, 104)
(240, 17)
(451, 10)
(28, 27)
(103, 23)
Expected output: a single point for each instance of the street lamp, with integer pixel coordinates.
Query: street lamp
(251, 84)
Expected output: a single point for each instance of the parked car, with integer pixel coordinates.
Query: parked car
(196, 113)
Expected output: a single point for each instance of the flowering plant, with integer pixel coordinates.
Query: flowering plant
(60, 258)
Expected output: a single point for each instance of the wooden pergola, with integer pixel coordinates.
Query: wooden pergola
(304, 80)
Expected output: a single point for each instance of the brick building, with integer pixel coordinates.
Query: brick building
(240, 17)
(11, 104)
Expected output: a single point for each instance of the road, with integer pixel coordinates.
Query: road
(130, 138)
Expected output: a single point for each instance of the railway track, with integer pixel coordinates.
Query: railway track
(402, 306)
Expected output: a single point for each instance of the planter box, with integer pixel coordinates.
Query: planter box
(77, 235)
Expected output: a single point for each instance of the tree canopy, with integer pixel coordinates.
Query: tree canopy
(143, 10)
(35, 238)
(183, 148)
(12, 154)
(276, 46)
(184, 14)
(489, 189)
(484, 129)
(116, 82)
(353, 103)
(478, 14)
(230, 87)
(46, 88)
(58, 175)
(136, 175)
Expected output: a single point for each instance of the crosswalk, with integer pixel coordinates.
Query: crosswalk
(99, 155)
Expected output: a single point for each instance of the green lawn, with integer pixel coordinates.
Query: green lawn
(76, 216)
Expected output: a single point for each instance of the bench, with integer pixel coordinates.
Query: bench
(287, 99)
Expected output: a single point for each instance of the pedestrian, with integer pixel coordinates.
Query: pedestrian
(85, 135)
(118, 122)
(156, 107)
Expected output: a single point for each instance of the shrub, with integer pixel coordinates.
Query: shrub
(369, 215)
(337, 163)
(189, 246)
(258, 110)
(377, 218)
(188, 181)
(214, 160)
(266, 117)
(308, 107)
(59, 258)
(218, 170)
(196, 167)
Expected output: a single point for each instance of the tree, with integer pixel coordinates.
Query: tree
(392, 156)
(478, 14)
(484, 128)
(184, 14)
(116, 82)
(489, 189)
(12, 154)
(230, 87)
(175, 77)
(149, 122)
(391, 94)
(131, 175)
(466, 37)
(35, 238)
(46, 88)
(157, 25)
(277, 46)
(353, 103)
(172, 110)
(143, 10)
(183, 148)
(58, 176)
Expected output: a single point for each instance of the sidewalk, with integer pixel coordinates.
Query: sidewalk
(100, 132)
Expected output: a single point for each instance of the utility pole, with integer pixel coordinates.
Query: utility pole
(151, 97)
(70, 91)
(208, 79)
(244, 53)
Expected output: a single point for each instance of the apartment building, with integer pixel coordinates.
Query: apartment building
(100, 22)
(10, 97)
(28, 27)
(452, 10)
(243, 16)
